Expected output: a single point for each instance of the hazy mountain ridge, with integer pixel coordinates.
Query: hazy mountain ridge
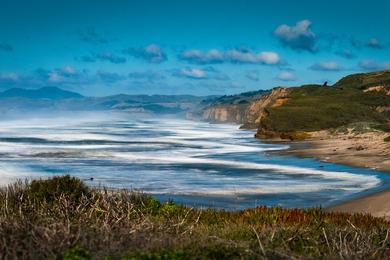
(56, 99)
(52, 93)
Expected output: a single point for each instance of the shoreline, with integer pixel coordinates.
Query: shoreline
(365, 150)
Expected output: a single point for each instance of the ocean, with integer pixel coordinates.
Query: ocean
(195, 163)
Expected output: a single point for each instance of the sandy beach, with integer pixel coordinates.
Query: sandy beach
(377, 205)
(367, 150)
(361, 150)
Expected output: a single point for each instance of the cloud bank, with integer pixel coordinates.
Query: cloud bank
(235, 56)
(151, 53)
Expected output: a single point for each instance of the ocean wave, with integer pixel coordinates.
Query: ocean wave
(163, 156)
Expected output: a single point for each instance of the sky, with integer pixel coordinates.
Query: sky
(193, 47)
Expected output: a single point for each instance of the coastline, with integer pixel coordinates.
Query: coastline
(367, 150)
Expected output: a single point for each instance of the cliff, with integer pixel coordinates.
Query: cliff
(258, 109)
(225, 114)
(249, 114)
(293, 112)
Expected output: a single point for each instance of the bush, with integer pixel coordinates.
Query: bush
(387, 139)
(164, 254)
(51, 189)
(76, 253)
(170, 208)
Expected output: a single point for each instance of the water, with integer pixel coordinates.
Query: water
(196, 163)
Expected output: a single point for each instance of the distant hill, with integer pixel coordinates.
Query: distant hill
(241, 98)
(52, 93)
(49, 99)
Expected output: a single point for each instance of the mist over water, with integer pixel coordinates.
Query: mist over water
(190, 162)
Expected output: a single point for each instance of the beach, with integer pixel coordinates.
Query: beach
(367, 150)
(377, 204)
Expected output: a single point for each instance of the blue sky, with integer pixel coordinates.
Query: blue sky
(188, 47)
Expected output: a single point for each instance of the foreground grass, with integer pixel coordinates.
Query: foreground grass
(63, 219)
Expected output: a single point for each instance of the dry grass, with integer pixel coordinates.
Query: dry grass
(127, 225)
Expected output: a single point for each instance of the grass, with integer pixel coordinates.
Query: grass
(102, 224)
(314, 107)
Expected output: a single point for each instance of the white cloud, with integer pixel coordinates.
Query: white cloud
(326, 66)
(200, 73)
(374, 65)
(193, 73)
(233, 55)
(253, 75)
(286, 76)
(152, 53)
(298, 37)
(200, 57)
(375, 43)
(11, 76)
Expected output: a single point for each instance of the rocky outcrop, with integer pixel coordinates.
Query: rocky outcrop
(382, 89)
(382, 109)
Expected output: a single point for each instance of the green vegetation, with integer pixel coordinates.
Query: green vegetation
(50, 190)
(314, 107)
(387, 139)
(365, 80)
(98, 224)
(242, 98)
(360, 128)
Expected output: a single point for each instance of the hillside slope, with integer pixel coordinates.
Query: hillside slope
(355, 98)
(284, 112)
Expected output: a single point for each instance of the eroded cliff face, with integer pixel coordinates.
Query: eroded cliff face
(257, 110)
(249, 114)
(225, 114)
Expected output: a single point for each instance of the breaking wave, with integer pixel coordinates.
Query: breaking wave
(191, 162)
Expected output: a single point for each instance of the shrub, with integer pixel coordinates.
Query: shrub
(170, 208)
(51, 189)
(164, 254)
(387, 139)
(76, 253)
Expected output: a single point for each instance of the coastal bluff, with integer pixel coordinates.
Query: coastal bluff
(294, 112)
